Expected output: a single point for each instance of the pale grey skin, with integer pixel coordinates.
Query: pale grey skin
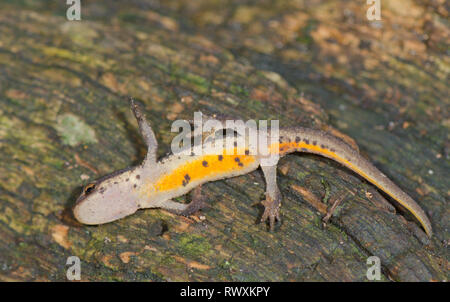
(121, 193)
(116, 196)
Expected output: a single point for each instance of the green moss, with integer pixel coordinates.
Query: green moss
(78, 57)
(302, 174)
(54, 162)
(192, 245)
(255, 104)
(239, 90)
(326, 185)
(167, 260)
(74, 131)
(80, 33)
(225, 265)
(200, 84)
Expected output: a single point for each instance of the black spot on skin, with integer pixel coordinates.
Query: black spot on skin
(240, 164)
(323, 146)
(306, 141)
(138, 176)
(192, 153)
(102, 190)
(235, 144)
(115, 182)
(135, 185)
(236, 159)
(297, 139)
(314, 143)
(186, 180)
(247, 152)
(220, 157)
(332, 150)
(127, 179)
(205, 163)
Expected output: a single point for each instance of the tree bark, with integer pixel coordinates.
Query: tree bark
(65, 120)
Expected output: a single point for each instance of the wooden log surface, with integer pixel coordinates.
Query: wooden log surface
(65, 120)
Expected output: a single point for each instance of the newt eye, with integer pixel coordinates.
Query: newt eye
(89, 188)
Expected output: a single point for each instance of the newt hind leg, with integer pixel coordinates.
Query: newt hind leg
(197, 202)
(272, 203)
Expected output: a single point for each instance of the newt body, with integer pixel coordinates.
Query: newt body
(154, 183)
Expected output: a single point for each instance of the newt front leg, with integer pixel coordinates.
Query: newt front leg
(272, 203)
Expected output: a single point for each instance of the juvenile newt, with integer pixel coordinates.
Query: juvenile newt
(154, 184)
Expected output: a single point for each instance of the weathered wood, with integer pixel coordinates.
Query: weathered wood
(65, 120)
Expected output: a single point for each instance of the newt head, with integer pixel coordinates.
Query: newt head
(109, 198)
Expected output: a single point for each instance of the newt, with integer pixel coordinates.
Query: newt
(154, 183)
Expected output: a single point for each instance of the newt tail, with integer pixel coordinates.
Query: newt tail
(300, 139)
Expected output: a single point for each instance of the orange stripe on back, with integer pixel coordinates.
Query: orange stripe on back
(287, 147)
(203, 167)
